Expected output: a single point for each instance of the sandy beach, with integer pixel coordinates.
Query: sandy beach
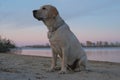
(19, 67)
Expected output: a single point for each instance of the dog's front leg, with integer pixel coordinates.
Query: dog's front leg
(54, 61)
(64, 61)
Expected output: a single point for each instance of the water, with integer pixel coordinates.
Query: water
(97, 54)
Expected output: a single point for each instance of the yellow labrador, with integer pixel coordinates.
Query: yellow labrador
(63, 42)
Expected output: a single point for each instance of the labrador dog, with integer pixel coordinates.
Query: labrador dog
(63, 42)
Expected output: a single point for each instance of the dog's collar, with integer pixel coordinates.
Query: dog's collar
(56, 28)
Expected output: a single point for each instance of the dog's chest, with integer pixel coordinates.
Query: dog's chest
(55, 39)
(55, 42)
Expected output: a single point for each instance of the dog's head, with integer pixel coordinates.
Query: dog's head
(45, 12)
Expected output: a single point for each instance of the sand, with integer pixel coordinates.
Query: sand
(19, 67)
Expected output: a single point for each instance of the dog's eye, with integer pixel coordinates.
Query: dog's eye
(43, 8)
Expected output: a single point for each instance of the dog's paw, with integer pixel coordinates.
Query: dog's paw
(54, 69)
(63, 72)
(51, 70)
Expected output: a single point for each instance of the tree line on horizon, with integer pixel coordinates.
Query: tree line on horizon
(101, 44)
(87, 44)
(6, 45)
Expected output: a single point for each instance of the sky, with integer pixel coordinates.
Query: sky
(89, 20)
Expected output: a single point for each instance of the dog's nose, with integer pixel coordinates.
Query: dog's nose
(34, 11)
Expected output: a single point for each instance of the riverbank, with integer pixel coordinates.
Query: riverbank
(20, 67)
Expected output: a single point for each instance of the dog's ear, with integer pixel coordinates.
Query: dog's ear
(53, 12)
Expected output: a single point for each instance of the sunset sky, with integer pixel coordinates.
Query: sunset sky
(93, 20)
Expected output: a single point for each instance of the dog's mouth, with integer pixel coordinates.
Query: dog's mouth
(39, 19)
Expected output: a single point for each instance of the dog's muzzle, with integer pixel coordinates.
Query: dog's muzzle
(35, 15)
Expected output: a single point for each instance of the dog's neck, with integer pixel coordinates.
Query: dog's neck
(53, 23)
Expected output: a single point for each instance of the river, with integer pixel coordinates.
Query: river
(97, 54)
